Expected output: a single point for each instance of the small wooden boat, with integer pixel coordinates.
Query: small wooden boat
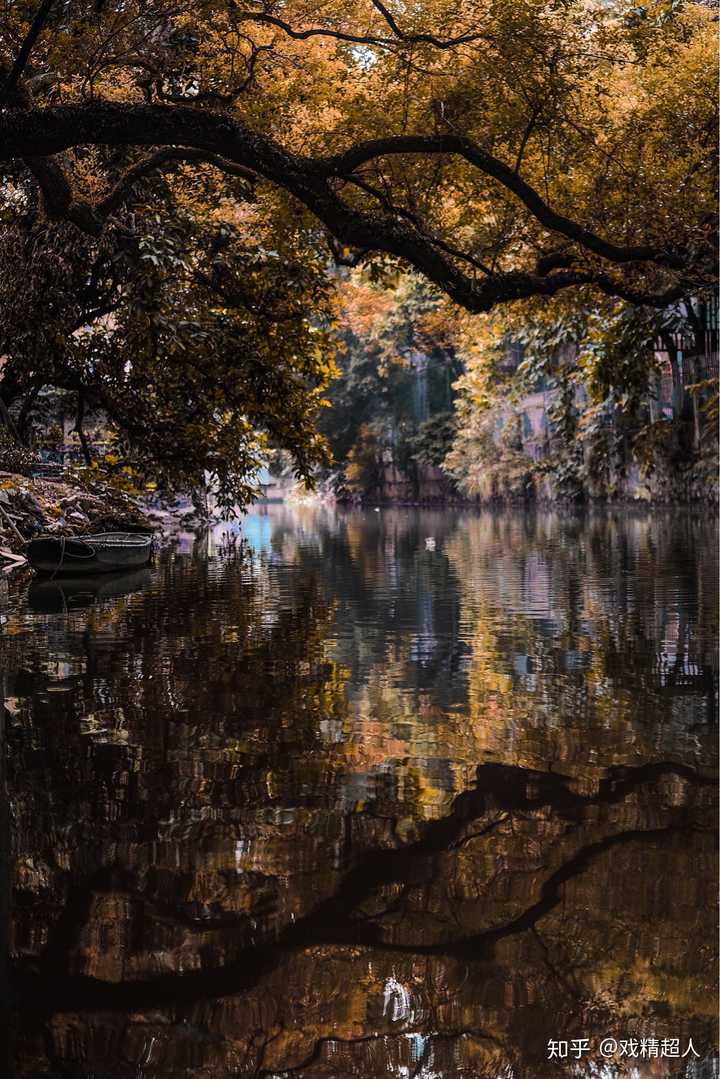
(106, 552)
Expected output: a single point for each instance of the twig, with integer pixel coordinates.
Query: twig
(16, 561)
(12, 524)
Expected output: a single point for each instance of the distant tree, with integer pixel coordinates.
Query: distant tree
(383, 331)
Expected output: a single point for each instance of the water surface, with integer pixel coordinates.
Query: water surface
(407, 793)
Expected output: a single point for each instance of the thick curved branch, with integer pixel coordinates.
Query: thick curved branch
(426, 39)
(58, 199)
(399, 38)
(619, 289)
(400, 211)
(60, 203)
(48, 131)
(346, 163)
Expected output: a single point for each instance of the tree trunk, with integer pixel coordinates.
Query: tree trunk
(8, 422)
(80, 431)
(25, 411)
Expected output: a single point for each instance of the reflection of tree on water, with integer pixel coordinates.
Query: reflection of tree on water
(200, 892)
(363, 913)
(391, 588)
(583, 648)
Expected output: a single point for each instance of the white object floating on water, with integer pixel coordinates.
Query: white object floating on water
(430, 543)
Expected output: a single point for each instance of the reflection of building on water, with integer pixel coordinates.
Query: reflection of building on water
(424, 644)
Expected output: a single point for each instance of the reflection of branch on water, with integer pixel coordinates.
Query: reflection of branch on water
(480, 945)
(316, 1053)
(479, 834)
(568, 984)
(397, 904)
(335, 920)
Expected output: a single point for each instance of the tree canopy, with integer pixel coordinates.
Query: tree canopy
(199, 345)
(504, 149)
(179, 181)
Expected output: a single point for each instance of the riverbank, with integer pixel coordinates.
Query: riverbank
(514, 480)
(30, 506)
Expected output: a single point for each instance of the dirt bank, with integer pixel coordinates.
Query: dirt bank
(29, 507)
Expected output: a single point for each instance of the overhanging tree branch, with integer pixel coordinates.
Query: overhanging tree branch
(428, 39)
(195, 134)
(347, 162)
(400, 37)
(60, 202)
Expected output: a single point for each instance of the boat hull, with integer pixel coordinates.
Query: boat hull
(87, 554)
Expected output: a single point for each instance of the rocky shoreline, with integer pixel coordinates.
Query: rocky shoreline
(30, 506)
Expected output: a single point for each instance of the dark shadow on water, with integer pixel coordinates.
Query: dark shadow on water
(67, 593)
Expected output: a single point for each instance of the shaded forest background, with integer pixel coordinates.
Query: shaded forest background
(606, 403)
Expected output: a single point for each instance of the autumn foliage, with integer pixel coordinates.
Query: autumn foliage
(506, 150)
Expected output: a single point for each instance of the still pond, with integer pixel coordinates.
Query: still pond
(407, 793)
